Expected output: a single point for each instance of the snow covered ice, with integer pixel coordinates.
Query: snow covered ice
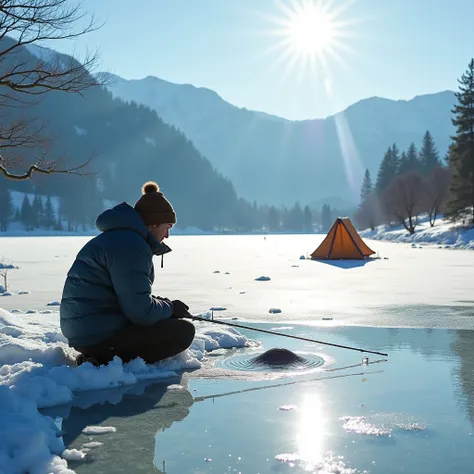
(37, 371)
(412, 288)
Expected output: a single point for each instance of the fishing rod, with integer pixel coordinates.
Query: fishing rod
(274, 333)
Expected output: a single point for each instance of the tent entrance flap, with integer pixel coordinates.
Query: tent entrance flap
(342, 242)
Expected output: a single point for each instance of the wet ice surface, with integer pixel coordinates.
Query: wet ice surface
(409, 413)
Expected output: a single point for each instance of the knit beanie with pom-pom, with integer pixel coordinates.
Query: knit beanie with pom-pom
(153, 207)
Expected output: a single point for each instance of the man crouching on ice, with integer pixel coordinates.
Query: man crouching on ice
(107, 308)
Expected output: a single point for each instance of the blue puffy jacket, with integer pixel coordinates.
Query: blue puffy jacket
(109, 283)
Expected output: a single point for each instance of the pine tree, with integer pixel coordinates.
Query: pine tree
(37, 211)
(26, 213)
(409, 161)
(366, 213)
(388, 169)
(326, 217)
(256, 221)
(296, 218)
(404, 167)
(68, 211)
(6, 207)
(414, 164)
(367, 188)
(395, 159)
(48, 220)
(461, 153)
(273, 219)
(429, 155)
(308, 220)
(285, 218)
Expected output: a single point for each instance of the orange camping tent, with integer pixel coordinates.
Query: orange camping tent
(342, 242)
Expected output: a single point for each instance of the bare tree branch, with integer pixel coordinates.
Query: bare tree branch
(437, 191)
(41, 167)
(28, 71)
(404, 199)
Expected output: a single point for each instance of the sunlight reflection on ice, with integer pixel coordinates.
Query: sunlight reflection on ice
(311, 430)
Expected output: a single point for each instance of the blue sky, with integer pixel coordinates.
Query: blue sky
(397, 49)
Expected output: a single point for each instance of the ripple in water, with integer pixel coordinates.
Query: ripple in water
(273, 359)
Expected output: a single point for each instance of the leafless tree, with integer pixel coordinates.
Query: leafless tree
(368, 214)
(437, 190)
(28, 71)
(404, 199)
(4, 269)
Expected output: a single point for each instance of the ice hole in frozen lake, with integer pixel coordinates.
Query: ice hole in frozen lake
(273, 359)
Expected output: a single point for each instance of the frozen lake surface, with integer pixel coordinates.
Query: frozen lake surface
(407, 287)
(409, 413)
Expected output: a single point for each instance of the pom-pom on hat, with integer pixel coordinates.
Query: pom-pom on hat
(153, 207)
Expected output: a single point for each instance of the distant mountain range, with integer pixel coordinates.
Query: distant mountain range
(277, 161)
(268, 159)
(132, 145)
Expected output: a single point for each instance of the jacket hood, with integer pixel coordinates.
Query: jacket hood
(124, 216)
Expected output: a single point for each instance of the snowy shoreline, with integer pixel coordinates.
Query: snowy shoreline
(37, 370)
(443, 234)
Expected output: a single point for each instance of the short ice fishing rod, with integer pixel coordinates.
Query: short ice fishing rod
(273, 333)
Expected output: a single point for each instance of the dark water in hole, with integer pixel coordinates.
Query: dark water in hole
(272, 360)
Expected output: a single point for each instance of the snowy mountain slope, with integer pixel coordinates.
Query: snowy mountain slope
(277, 161)
(129, 145)
(280, 161)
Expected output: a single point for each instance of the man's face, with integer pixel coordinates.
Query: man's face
(160, 231)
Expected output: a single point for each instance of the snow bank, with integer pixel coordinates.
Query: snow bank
(37, 370)
(443, 233)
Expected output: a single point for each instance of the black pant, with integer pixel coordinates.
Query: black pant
(151, 343)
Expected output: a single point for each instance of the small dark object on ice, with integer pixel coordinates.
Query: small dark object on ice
(278, 356)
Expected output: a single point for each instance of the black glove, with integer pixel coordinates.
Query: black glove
(180, 310)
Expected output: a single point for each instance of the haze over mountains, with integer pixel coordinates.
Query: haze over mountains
(253, 155)
(277, 161)
(131, 145)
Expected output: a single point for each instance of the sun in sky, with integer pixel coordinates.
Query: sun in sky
(312, 33)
